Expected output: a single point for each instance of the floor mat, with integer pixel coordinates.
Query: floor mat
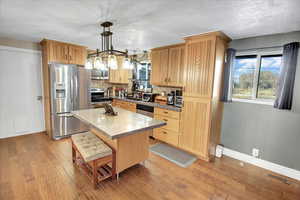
(173, 154)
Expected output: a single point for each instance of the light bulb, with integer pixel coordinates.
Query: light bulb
(127, 64)
(112, 62)
(98, 63)
(88, 64)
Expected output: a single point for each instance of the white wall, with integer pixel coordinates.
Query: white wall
(20, 84)
(274, 132)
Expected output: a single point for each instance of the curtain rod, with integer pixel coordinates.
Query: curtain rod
(272, 47)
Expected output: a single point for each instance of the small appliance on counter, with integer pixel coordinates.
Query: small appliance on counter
(149, 97)
(98, 95)
(178, 98)
(171, 98)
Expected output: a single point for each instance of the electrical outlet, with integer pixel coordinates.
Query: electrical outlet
(255, 152)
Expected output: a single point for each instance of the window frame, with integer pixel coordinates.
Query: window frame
(259, 53)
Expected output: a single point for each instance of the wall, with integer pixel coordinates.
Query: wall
(274, 132)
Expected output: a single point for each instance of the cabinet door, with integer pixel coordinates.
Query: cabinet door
(159, 65)
(113, 75)
(195, 125)
(58, 52)
(199, 67)
(176, 62)
(77, 55)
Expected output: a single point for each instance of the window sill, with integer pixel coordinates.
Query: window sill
(262, 102)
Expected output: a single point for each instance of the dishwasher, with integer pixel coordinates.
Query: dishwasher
(146, 110)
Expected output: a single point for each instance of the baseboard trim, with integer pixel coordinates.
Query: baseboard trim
(292, 173)
(27, 133)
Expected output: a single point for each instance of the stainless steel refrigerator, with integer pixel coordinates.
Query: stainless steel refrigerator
(70, 90)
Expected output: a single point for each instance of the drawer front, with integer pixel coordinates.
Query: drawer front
(172, 124)
(166, 136)
(167, 113)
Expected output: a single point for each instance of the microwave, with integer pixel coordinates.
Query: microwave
(98, 74)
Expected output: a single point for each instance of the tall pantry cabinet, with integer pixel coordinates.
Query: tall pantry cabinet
(202, 109)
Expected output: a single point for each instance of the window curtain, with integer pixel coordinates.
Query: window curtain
(285, 86)
(227, 83)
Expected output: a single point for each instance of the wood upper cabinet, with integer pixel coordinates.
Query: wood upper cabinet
(195, 125)
(199, 67)
(175, 66)
(77, 54)
(167, 65)
(159, 66)
(61, 52)
(120, 75)
(58, 52)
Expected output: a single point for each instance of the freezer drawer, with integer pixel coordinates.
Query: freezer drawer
(64, 125)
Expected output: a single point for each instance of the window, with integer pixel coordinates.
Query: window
(255, 76)
(142, 77)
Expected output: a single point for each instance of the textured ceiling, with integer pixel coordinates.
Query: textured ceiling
(143, 24)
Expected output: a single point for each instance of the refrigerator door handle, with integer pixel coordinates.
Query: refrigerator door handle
(65, 115)
(76, 97)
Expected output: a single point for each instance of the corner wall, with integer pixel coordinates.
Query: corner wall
(274, 132)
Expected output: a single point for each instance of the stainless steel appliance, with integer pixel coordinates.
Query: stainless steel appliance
(145, 110)
(98, 74)
(70, 90)
(171, 98)
(178, 98)
(98, 95)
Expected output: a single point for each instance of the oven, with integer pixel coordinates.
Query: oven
(145, 110)
(97, 94)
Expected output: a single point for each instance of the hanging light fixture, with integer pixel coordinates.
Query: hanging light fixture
(89, 64)
(127, 63)
(107, 57)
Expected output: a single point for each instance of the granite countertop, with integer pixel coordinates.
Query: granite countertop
(124, 124)
(169, 107)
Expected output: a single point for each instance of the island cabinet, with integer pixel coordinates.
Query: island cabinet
(202, 109)
(167, 65)
(169, 133)
(119, 75)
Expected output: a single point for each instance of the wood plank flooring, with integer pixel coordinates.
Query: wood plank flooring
(34, 167)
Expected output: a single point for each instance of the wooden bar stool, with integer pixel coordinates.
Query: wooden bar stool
(93, 156)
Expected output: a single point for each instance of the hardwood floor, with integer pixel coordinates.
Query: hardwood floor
(34, 167)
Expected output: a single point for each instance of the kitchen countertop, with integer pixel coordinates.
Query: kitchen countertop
(124, 124)
(169, 107)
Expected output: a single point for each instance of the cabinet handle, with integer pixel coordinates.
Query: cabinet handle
(164, 132)
(70, 57)
(165, 112)
(165, 120)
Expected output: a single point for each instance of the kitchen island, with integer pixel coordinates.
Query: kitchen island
(127, 133)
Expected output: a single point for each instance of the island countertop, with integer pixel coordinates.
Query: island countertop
(124, 124)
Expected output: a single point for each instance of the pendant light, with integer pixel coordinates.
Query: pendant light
(127, 64)
(107, 53)
(89, 64)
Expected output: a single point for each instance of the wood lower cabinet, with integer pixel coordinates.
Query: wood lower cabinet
(167, 65)
(195, 125)
(171, 131)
